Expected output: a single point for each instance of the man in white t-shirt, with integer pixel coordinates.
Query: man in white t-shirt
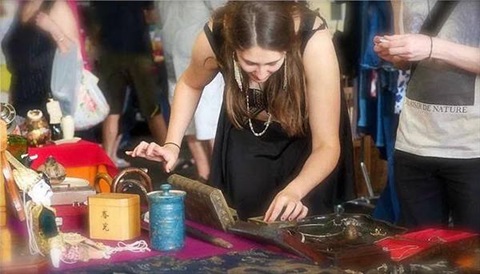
(437, 157)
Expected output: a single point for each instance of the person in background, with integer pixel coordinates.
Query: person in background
(125, 58)
(38, 29)
(180, 24)
(437, 155)
(7, 13)
(277, 140)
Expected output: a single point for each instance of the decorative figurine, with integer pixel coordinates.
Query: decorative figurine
(54, 170)
(44, 236)
(38, 130)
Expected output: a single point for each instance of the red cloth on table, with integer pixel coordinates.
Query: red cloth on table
(81, 153)
(409, 244)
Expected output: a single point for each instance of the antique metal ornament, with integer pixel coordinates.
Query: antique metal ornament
(135, 181)
(351, 232)
(8, 114)
(54, 170)
(319, 231)
(343, 228)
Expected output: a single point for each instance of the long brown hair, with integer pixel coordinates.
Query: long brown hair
(269, 25)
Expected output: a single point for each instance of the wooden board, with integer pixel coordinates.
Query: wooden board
(204, 204)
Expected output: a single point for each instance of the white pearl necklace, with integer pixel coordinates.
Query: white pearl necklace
(267, 123)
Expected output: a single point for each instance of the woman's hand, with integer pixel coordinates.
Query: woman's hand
(286, 205)
(405, 47)
(167, 154)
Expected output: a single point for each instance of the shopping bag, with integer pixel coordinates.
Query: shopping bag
(77, 91)
(92, 107)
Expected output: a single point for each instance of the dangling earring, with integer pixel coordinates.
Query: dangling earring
(237, 74)
(285, 81)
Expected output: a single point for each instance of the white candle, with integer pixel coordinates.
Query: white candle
(68, 127)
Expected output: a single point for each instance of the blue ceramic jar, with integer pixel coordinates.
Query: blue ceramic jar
(167, 218)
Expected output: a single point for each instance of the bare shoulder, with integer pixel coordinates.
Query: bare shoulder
(319, 57)
(320, 42)
(203, 65)
(203, 54)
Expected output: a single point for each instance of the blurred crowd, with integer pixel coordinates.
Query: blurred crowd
(137, 49)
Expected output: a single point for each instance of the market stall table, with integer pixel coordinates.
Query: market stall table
(81, 159)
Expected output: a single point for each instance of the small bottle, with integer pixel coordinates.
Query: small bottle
(53, 108)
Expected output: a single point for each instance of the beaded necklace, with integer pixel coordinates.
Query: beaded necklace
(267, 123)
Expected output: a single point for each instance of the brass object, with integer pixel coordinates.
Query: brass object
(8, 114)
(135, 181)
(55, 171)
(351, 232)
(102, 177)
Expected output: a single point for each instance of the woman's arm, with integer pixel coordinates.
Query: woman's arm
(201, 70)
(323, 100)
(61, 24)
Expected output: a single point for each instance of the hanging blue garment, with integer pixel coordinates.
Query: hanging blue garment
(376, 115)
(376, 20)
(387, 207)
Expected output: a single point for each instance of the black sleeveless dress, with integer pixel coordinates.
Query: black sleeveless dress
(29, 53)
(251, 170)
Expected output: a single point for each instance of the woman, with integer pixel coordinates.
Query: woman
(277, 138)
(29, 46)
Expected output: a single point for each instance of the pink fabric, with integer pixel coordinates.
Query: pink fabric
(193, 249)
(79, 154)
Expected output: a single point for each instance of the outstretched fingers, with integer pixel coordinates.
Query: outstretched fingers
(139, 150)
(299, 212)
(285, 208)
(153, 151)
(150, 151)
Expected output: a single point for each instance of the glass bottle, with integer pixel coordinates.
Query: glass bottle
(56, 131)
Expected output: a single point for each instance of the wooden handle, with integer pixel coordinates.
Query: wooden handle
(203, 236)
(10, 185)
(3, 136)
(98, 178)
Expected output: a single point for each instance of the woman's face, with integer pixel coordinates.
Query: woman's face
(260, 63)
